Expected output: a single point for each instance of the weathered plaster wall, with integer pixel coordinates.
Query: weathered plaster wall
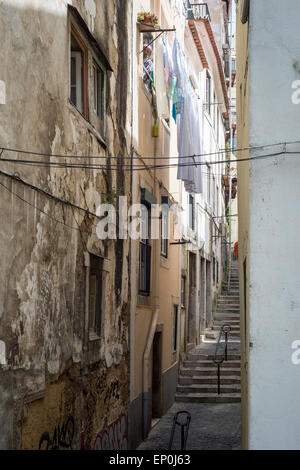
(274, 226)
(243, 206)
(50, 365)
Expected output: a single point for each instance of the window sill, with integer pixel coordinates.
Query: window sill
(91, 128)
(144, 301)
(164, 262)
(167, 128)
(94, 337)
(208, 117)
(145, 91)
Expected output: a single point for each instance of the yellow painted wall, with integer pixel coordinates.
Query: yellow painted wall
(243, 204)
(168, 271)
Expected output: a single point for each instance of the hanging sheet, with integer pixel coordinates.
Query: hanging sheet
(161, 86)
(188, 126)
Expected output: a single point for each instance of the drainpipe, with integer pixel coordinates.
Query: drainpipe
(151, 333)
(231, 142)
(156, 309)
(146, 371)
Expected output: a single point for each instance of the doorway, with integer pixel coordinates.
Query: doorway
(208, 294)
(192, 299)
(156, 376)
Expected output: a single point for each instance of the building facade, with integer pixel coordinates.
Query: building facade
(268, 113)
(94, 321)
(64, 310)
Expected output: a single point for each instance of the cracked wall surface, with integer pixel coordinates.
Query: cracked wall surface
(50, 370)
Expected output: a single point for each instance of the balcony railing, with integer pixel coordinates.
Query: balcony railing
(198, 11)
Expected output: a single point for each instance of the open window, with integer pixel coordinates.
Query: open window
(99, 90)
(164, 248)
(78, 74)
(192, 212)
(148, 61)
(95, 296)
(145, 253)
(208, 93)
(88, 73)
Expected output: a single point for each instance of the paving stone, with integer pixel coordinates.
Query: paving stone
(213, 427)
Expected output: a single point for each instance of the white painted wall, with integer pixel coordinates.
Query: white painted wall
(274, 382)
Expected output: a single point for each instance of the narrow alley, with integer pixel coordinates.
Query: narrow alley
(149, 225)
(215, 414)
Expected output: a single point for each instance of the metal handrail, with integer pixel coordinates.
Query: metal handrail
(198, 11)
(225, 330)
(183, 425)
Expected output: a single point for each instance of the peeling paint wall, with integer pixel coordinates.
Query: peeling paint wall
(49, 369)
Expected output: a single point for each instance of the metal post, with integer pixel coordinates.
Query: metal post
(184, 429)
(182, 436)
(219, 379)
(231, 141)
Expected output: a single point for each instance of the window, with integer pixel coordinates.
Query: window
(88, 73)
(208, 93)
(214, 194)
(164, 231)
(215, 107)
(95, 296)
(233, 65)
(192, 212)
(175, 327)
(208, 184)
(98, 91)
(183, 292)
(148, 61)
(145, 253)
(78, 74)
(214, 270)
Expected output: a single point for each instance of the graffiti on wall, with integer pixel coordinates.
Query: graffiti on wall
(113, 437)
(62, 436)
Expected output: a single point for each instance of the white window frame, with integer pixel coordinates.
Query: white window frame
(78, 80)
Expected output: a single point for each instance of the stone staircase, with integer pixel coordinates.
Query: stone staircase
(198, 381)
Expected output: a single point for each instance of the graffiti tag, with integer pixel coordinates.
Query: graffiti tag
(113, 437)
(62, 437)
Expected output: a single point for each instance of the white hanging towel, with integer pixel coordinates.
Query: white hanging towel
(160, 83)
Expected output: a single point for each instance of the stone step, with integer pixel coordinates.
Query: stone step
(211, 335)
(231, 322)
(226, 317)
(208, 364)
(210, 357)
(225, 309)
(208, 371)
(208, 388)
(229, 298)
(208, 398)
(235, 305)
(226, 380)
(233, 328)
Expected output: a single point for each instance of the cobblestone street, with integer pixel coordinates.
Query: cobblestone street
(213, 427)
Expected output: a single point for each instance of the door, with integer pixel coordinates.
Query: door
(156, 376)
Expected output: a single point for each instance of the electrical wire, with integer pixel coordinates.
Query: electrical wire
(147, 167)
(60, 200)
(38, 208)
(220, 151)
(49, 195)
